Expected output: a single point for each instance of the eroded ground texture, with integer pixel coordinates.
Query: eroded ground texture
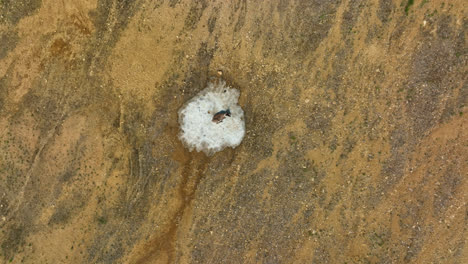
(355, 152)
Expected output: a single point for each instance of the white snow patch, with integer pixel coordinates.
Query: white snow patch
(199, 132)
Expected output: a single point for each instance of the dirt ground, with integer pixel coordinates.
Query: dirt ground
(356, 148)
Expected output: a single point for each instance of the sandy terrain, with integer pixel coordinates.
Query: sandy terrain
(356, 149)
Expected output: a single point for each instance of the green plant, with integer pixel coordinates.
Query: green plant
(408, 5)
(102, 220)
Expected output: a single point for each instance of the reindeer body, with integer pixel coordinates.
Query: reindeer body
(218, 117)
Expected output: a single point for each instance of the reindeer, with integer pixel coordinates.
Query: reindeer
(218, 117)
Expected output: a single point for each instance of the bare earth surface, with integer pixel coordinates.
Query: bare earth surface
(356, 148)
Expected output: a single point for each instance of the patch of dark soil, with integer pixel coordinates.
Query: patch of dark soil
(394, 167)
(4, 205)
(107, 247)
(321, 254)
(13, 11)
(350, 16)
(9, 39)
(445, 27)
(3, 93)
(319, 118)
(430, 80)
(13, 239)
(259, 133)
(304, 27)
(450, 183)
(250, 212)
(173, 3)
(109, 21)
(212, 21)
(196, 11)
(385, 10)
(5, 87)
(334, 82)
(68, 208)
(197, 77)
(242, 10)
(410, 216)
(310, 24)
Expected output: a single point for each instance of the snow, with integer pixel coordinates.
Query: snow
(199, 132)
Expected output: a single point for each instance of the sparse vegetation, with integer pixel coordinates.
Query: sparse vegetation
(344, 106)
(102, 220)
(408, 5)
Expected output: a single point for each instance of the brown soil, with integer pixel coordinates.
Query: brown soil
(355, 152)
